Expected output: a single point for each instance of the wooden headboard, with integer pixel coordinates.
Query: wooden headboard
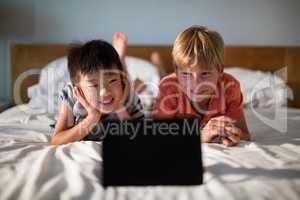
(28, 56)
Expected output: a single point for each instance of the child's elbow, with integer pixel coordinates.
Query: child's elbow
(246, 136)
(55, 141)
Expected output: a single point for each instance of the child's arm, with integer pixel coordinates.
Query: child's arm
(63, 133)
(242, 125)
(213, 128)
(231, 131)
(236, 132)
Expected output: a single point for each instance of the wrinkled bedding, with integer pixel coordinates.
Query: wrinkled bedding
(30, 168)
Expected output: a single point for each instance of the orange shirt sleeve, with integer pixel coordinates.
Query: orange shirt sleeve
(234, 100)
(165, 105)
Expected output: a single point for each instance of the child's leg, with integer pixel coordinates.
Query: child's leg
(119, 42)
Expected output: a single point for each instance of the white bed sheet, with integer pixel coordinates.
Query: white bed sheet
(30, 168)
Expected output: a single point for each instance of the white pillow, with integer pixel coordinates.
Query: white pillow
(54, 76)
(146, 72)
(261, 89)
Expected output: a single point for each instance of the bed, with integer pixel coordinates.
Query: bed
(266, 168)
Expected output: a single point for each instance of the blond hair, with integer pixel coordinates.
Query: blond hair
(198, 46)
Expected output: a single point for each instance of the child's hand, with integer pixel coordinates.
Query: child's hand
(232, 136)
(92, 112)
(224, 127)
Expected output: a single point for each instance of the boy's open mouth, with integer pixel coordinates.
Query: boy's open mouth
(106, 101)
(203, 93)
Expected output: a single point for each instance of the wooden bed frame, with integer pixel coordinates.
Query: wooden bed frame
(36, 56)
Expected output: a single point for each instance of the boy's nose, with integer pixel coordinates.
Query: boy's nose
(104, 91)
(195, 77)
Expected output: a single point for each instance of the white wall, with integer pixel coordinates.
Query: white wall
(241, 22)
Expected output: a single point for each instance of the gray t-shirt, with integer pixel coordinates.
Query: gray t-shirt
(78, 112)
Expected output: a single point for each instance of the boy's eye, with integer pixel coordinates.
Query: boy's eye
(205, 74)
(112, 81)
(93, 85)
(185, 75)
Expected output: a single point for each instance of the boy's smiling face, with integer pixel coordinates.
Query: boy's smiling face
(103, 90)
(198, 84)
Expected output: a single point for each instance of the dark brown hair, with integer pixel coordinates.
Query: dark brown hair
(91, 57)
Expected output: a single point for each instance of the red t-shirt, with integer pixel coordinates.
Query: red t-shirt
(173, 102)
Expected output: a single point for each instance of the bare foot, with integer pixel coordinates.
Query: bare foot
(157, 60)
(120, 44)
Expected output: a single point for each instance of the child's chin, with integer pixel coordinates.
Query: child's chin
(106, 109)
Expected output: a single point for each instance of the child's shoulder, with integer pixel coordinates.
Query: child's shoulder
(66, 94)
(230, 80)
(67, 91)
(169, 82)
(169, 78)
(232, 86)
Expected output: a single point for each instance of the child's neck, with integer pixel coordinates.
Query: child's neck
(203, 106)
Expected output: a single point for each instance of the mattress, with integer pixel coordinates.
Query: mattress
(268, 167)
